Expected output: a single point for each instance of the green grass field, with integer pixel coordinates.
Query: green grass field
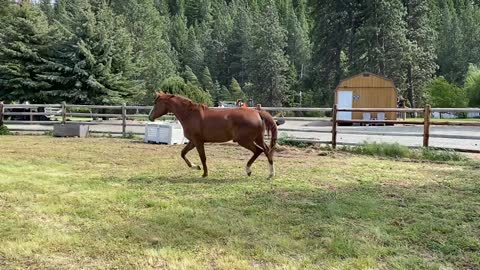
(103, 203)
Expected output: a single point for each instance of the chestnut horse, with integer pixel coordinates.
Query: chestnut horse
(205, 125)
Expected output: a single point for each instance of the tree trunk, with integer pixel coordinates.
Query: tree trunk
(410, 87)
(351, 46)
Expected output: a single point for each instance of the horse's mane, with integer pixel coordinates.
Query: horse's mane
(187, 103)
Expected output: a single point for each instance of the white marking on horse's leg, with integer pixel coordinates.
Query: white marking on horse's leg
(196, 167)
(248, 170)
(272, 171)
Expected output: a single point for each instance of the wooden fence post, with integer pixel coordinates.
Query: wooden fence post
(124, 120)
(426, 125)
(31, 116)
(1, 113)
(334, 127)
(64, 112)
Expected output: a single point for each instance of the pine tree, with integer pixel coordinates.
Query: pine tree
(451, 53)
(47, 7)
(177, 85)
(190, 77)
(236, 91)
(470, 21)
(269, 64)
(421, 55)
(207, 82)
(176, 7)
(197, 11)
(194, 54)
(179, 36)
(331, 24)
(224, 94)
(217, 51)
(239, 43)
(162, 7)
(298, 42)
(217, 89)
(25, 42)
(152, 50)
(95, 64)
(381, 42)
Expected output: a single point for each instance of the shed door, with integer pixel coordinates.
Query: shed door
(345, 101)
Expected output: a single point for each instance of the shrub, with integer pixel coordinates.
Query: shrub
(442, 94)
(472, 85)
(176, 85)
(4, 130)
(399, 151)
(441, 155)
(382, 149)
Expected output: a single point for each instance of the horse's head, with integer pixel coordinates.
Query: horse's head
(159, 107)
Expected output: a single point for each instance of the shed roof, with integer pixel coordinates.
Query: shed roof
(366, 80)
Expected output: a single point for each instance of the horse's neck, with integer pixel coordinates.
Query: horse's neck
(182, 113)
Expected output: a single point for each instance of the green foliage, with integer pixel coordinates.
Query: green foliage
(26, 40)
(207, 82)
(442, 94)
(398, 151)
(441, 155)
(96, 60)
(382, 149)
(472, 85)
(236, 91)
(271, 65)
(190, 76)
(289, 142)
(177, 85)
(91, 51)
(152, 49)
(193, 56)
(4, 130)
(224, 94)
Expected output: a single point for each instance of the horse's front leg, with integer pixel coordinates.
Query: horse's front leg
(203, 158)
(187, 149)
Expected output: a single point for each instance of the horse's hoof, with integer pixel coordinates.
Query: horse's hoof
(205, 175)
(248, 171)
(197, 167)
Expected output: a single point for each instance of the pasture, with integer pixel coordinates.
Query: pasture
(108, 203)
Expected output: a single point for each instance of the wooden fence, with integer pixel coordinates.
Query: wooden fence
(427, 122)
(123, 113)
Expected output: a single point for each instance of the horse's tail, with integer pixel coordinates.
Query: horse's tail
(270, 126)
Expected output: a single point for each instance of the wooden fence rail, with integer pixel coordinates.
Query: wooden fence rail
(124, 113)
(426, 123)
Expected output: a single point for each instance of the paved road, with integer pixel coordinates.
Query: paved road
(305, 128)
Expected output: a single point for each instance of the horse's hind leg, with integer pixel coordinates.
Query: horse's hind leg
(185, 150)
(203, 158)
(257, 151)
(269, 153)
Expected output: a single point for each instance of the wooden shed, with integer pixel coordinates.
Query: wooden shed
(366, 90)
